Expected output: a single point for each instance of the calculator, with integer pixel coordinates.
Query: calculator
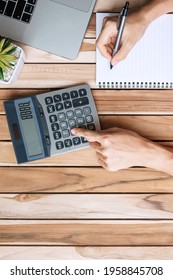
(40, 125)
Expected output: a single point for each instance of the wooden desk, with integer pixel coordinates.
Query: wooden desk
(68, 205)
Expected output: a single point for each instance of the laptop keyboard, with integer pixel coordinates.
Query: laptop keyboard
(18, 9)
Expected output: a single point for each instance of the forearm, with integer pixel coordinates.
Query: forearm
(154, 9)
(160, 158)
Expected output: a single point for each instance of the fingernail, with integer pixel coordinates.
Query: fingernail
(115, 62)
(73, 130)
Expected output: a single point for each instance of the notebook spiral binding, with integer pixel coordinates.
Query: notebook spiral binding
(136, 85)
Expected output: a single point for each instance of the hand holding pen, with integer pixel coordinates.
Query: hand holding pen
(107, 38)
(120, 28)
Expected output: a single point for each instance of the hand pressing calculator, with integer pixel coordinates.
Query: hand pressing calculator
(40, 126)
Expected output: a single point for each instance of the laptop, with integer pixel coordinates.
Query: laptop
(56, 26)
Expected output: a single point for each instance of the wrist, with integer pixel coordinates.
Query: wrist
(154, 9)
(159, 158)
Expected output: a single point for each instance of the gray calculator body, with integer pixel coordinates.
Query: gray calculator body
(40, 126)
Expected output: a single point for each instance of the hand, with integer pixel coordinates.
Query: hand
(135, 27)
(118, 148)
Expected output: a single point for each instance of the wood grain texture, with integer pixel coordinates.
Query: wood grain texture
(54, 75)
(85, 253)
(146, 102)
(84, 157)
(87, 233)
(89, 206)
(67, 207)
(83, 180)
(151, 127)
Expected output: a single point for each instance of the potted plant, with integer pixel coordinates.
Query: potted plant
(11, 60)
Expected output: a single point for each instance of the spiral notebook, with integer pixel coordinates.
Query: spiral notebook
(148, 65)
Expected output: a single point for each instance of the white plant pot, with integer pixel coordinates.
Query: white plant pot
(17, 68)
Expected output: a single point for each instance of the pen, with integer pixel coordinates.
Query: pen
(120, 27)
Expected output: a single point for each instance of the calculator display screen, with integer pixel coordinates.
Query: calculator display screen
(29, 127)
(31, 137)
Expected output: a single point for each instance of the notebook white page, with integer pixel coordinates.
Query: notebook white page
(148, 65)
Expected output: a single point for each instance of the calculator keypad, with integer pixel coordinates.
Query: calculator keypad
(68, 110)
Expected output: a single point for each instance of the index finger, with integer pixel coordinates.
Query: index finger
(90, 135)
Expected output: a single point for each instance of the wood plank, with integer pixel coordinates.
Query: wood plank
(85, 253)
(85, 157)
(89, 206)
(83, 180)
(87, 233)
(157, 102)
(152, 127)
(54, 75)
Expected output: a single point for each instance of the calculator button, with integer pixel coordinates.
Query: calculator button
(76, 141)
(65, 133)
(74, 94)
(53, 118)
(61, 117)
(68, 143)
(49, 100)
(65, 96)
(67, 104)
(82, 92)
(91, 126)
(84, 140)
(80, 102)
(70, 114)
(72, 123)
(78, 113)
(89, 119)
(57, 98)
(59, 106)
(63, 125)
(55, 126)
(80, 121)
(50, 109)
(87, 110)
(59, 145)
(82, 126)
(57, 135)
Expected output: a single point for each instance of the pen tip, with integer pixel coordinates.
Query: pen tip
(111, 66)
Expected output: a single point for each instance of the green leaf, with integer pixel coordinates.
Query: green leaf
(2, 41)
(12, 51)
(8, 42)
(1, 74)
(5, 62)
(9, 57)
(2, 66)
(7, 49)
